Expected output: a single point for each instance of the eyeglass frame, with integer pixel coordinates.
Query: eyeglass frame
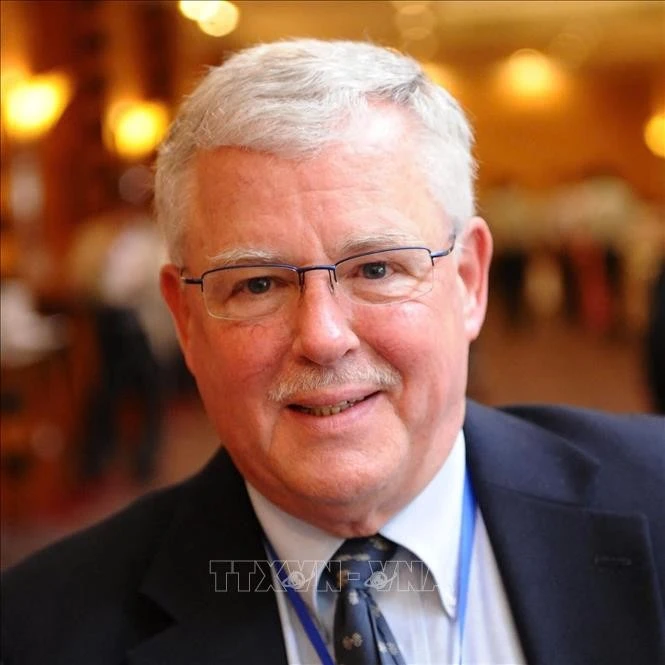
(300, 271)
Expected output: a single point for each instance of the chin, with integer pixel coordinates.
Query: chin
(344, 484)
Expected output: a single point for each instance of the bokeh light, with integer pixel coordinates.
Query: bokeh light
(137, 128)
(654, 134)
(32, 106)
(199, 10)
(531, 75)
(135, 184)
(222, 22)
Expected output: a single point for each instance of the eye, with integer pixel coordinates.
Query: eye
(258, 285)
(375, 270)
(248, 284)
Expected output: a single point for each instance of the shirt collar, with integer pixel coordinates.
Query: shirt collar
(429, 527)
(299, 545)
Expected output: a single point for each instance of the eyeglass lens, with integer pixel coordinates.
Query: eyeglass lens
(391, 276)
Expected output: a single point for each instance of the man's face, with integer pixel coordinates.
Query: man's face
(347, 472)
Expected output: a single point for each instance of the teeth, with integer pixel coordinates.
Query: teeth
(327, 410)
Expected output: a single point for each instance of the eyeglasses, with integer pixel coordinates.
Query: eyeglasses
(253, 291)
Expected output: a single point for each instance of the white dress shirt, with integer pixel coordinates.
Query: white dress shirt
(422, 619)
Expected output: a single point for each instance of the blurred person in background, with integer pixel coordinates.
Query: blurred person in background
(655, 343)
(511, 211)
(591, 215)
(115, 263)
(327, 274)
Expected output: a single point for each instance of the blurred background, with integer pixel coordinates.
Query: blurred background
(568, 103)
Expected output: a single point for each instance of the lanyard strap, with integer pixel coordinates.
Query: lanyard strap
(465, 551)
(300, 608)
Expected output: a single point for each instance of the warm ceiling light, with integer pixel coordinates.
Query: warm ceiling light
(199, 10)
(31, 107)
(223, 21)
(532, 75)
(137, 128)
(654, 134)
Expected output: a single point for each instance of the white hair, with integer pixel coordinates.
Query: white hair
(290, 98)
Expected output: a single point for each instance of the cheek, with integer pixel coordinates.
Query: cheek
(417, 328)
(425, 345)
(238, 354)
(236, 366)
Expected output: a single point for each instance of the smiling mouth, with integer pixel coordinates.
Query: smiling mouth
(328, 410)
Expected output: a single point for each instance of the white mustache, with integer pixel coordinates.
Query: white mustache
(310, 379)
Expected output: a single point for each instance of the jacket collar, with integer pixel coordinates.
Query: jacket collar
(213, 625)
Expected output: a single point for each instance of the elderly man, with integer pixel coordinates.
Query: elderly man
(327, 276)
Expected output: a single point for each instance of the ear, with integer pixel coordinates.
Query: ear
(176, 299)
(473, 264)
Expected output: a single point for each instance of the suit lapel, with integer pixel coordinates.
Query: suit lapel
(214, 523)
(581, 582)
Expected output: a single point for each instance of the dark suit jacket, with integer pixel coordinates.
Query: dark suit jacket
(574, 503)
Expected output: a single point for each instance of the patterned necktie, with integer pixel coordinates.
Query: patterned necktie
(361, 633)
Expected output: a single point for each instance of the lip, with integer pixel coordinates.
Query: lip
(332, 397)
(337, 422)
(327, 411)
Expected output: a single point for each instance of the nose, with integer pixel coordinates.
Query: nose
(323, 331)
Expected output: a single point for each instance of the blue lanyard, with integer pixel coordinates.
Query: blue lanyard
(466, 549)
(299, 606)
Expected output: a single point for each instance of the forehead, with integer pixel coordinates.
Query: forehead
(367, 185)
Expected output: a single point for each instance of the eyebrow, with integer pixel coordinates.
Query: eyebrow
(241, 255)
(378, 241)
(354, 245)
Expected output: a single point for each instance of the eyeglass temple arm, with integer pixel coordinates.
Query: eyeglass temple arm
(191, 280)
(445, 252)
